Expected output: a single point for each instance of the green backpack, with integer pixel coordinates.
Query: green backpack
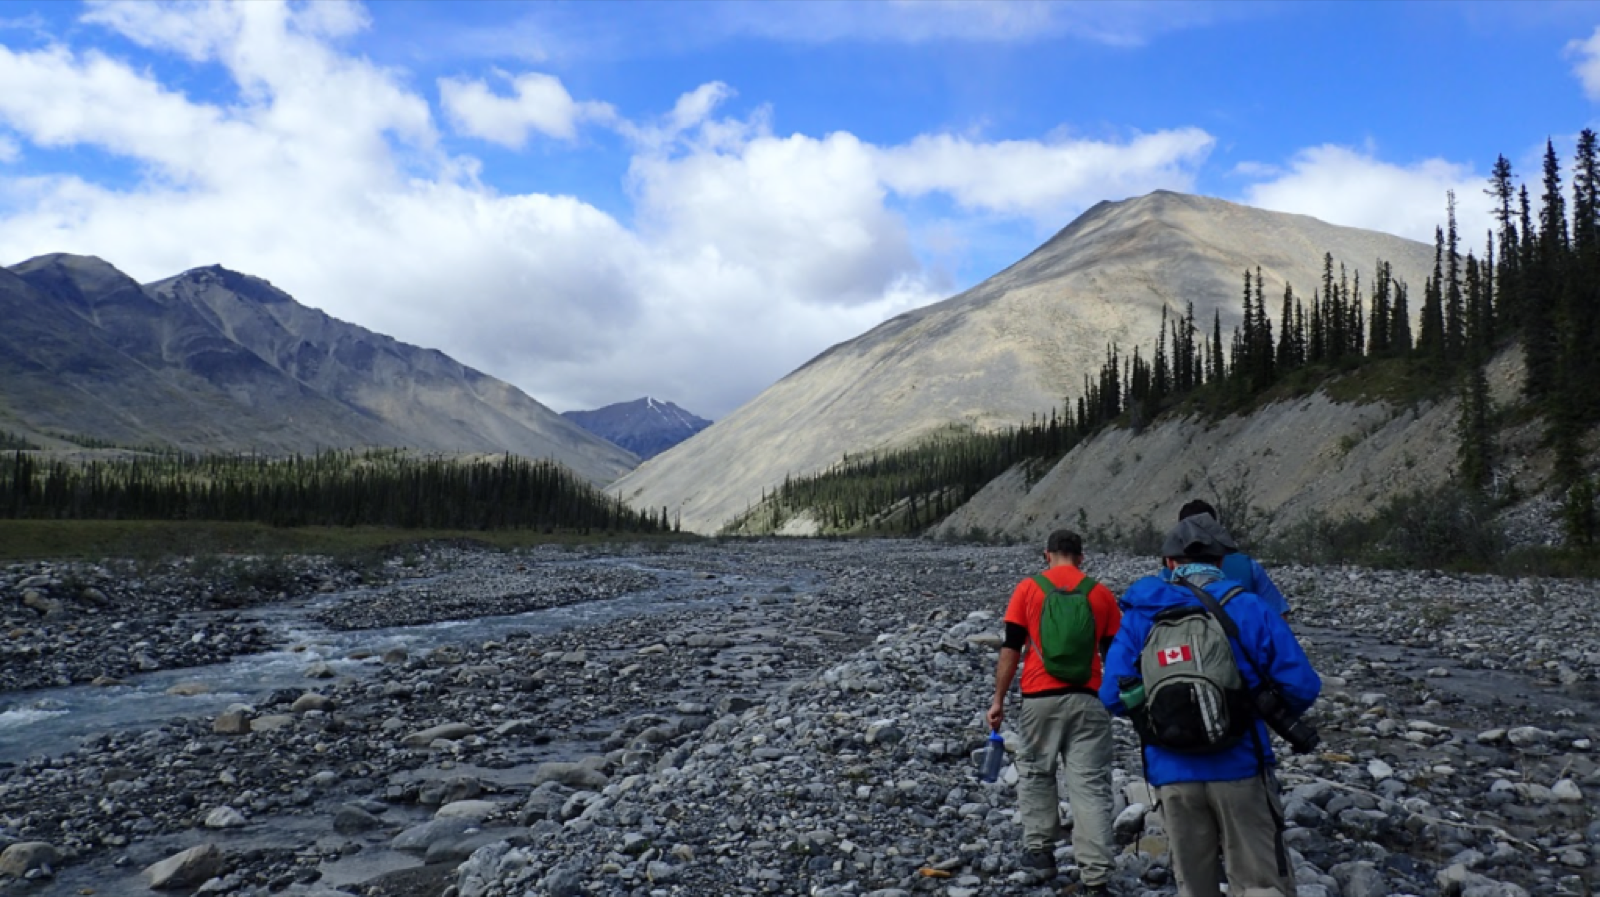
(1067, 631)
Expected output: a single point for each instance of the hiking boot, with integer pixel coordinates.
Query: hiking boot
(1041, 861)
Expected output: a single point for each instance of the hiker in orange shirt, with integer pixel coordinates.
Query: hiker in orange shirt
(1058, 625)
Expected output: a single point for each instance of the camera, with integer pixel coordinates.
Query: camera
(1273, 709)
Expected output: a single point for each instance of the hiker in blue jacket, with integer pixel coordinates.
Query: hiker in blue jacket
(1225, 800)
(1236, 565)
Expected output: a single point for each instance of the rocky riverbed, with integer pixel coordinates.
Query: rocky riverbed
(801, 722)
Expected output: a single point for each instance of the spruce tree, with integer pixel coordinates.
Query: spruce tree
(1218, 372)
(1261, 349)
(1537, 281)
(1400, 322)
(1161, 377)
(1502, 191)
(1315, 352)
(1430, 338)
(1581, 328)
(1454, 324)
(1378, 325)
(1286, 349)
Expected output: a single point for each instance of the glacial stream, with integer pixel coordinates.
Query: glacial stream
(56, 720)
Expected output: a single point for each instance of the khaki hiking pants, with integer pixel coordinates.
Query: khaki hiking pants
(1074, 730)
(1239, 818)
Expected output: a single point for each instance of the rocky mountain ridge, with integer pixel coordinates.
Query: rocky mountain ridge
(217, 360)
(1016, 345)
(643, 426)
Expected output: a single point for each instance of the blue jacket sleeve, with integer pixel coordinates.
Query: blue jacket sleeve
(1267, 590)
(1280, 655)
(1120, 662)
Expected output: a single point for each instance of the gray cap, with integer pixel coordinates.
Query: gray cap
(1198, 536)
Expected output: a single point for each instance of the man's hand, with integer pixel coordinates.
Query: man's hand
(996, 714)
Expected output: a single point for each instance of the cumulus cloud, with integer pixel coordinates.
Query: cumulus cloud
(1587, 67)
(1345, 186)
(538, 102)
(1043, 180)
(746, 252)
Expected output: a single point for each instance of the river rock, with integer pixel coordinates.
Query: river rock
(24, 857)
(445, 732)
(45, 607)
(419, 838)
(232, 722)
(312, 701)
(1526, 736)
(188, 869)
(271, 722)
(475, 810)
(352, 820)
(1567, 791)
(320, 670)
(572, 775)
(1130, 821)
(189, 689)
(225, 817)
(477, 874)
(1360, 879)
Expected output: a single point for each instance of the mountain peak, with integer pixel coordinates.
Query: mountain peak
(645, 426)
(1013, 346)
(246, 286)
(81, 280)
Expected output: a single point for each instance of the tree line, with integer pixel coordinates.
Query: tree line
(1536, 282)
(904, 491)
(381, 487)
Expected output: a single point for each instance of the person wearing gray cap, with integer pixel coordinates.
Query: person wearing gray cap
(1238, 566)
(1196, 664)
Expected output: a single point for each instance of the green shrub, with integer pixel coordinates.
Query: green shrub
(1448, 528)
(1578, 515)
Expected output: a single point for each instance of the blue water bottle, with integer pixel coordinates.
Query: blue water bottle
(994, 758)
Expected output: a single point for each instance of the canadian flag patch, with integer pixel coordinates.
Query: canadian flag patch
(1169, 656)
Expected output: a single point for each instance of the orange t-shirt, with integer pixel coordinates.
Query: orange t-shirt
(1027, 601)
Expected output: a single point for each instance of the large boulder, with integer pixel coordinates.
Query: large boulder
(25, 856)
(188, 869)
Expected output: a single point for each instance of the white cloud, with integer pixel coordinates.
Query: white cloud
(10, 150)
(1044, 180)
(1130, 23)
(746, 252)
(539, 103)
(1587, 68)
(1341, 185)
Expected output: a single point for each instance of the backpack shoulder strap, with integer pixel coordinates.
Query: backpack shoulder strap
(1044, 584)
(1215, 607)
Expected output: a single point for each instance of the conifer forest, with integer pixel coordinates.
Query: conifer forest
(334, 488)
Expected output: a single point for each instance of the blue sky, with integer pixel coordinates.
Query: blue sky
(601, 200)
